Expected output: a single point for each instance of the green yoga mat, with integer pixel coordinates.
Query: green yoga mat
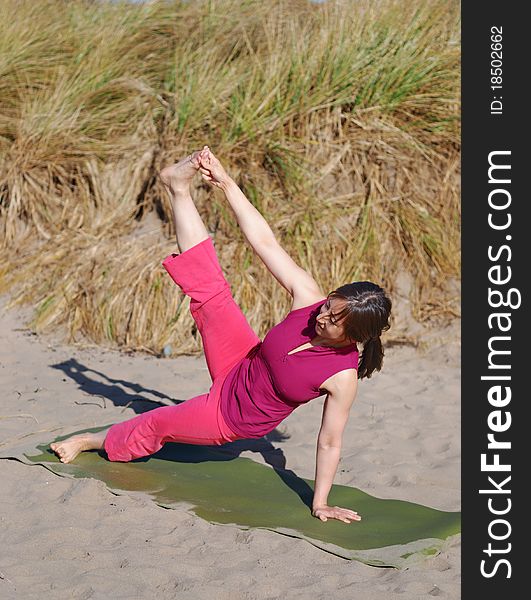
(228, 490)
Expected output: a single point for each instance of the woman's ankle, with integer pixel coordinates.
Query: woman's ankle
(96, 441)
(180, 192)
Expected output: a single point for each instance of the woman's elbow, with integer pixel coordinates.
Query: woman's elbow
(326, 443)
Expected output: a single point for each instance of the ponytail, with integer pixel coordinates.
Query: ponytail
(371, 359)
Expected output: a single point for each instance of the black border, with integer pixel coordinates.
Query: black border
(482, 133)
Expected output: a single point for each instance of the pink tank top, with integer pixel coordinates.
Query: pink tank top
(269, 384)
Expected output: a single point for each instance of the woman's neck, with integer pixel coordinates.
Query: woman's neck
(319, 341)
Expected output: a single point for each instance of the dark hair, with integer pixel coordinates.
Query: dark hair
(366, 313)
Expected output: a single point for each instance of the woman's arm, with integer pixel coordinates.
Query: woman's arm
(342, 391)
(298, 282)
(253, 225)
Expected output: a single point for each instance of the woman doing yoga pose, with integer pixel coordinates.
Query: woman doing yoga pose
(255, 383)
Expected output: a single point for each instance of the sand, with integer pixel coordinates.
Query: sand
(65, 538)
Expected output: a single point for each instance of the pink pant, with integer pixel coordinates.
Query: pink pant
(227, 338)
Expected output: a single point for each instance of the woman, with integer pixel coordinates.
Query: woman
(255, 384)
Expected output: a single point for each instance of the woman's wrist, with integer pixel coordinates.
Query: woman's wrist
(317, 511)
(226, 183)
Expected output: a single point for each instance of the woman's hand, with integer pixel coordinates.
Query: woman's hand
(211, 169)
(335, 512)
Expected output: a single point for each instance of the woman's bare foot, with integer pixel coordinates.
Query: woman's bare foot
(68, 449)
(179, 175)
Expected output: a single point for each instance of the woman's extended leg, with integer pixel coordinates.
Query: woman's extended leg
(225, 332)
(189, 227)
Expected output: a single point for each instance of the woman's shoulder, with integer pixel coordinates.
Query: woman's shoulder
(344, 381)
(309, 301)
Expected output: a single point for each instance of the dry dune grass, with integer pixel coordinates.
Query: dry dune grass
(339, 120)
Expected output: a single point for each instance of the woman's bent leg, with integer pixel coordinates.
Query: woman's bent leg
(195, 421)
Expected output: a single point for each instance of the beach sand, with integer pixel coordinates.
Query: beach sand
(66, 538)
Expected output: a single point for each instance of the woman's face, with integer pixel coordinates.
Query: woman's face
(327, 326)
